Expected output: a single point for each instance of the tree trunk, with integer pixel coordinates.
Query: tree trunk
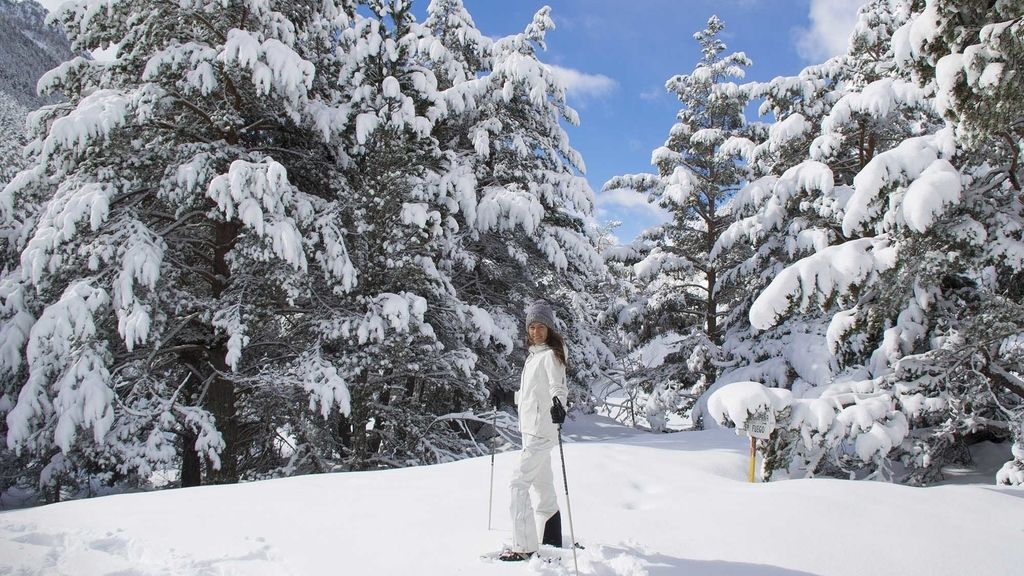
(221, 397)
(711, 303)
(711, 307)
(191, 466)
(711, 321)
(345, 432)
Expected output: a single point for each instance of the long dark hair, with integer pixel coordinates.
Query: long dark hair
(556, 343)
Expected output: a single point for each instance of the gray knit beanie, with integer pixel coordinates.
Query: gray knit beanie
(541, 311)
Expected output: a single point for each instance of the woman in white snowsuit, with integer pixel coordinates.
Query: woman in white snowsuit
(542, 380)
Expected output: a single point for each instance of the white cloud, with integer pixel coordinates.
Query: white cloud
(653, 94)
(622, 200)
(581, 84)
(832, 21)
(632, 210)
(622, 197)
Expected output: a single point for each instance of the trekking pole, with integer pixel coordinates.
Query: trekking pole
(565, 480)
(490, 498)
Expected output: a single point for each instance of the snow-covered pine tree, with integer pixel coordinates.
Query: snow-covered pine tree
(461, 51)
(832, 121)
(12, 142)
(168, 228)
(682, 299)
(526, 212)
(408, 351)
(304, 247)
(622, 398)
(895, 212)
(440, 234)
(971, 55)
(12, 137)
(788, 212)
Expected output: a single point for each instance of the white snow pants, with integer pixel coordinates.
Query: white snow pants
(533, 470)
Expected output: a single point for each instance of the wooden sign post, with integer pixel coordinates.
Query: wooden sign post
(758, 425)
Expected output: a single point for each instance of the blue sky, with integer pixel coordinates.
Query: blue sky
(615, 56)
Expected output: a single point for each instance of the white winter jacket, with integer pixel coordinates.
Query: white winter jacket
(543, 378)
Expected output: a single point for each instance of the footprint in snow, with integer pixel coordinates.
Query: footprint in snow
(41, 539)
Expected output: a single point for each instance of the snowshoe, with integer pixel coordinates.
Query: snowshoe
(512, 556)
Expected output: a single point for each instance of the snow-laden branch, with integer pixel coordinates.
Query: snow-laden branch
(919, 162)
(857, 413)
(274, 65)
(817, 277)
(95, 117)
(260, 195)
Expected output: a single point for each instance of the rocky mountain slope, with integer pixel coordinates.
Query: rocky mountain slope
(28, 48)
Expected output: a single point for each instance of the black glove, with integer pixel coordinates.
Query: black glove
(557, 411)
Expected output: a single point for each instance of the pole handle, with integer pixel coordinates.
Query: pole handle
(557, 405)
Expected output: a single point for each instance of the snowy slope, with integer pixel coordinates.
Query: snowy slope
(28, 48)
(642, 504)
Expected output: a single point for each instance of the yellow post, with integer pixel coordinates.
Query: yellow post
(753, 456)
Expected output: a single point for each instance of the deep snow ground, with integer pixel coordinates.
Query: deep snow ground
(642, 504)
